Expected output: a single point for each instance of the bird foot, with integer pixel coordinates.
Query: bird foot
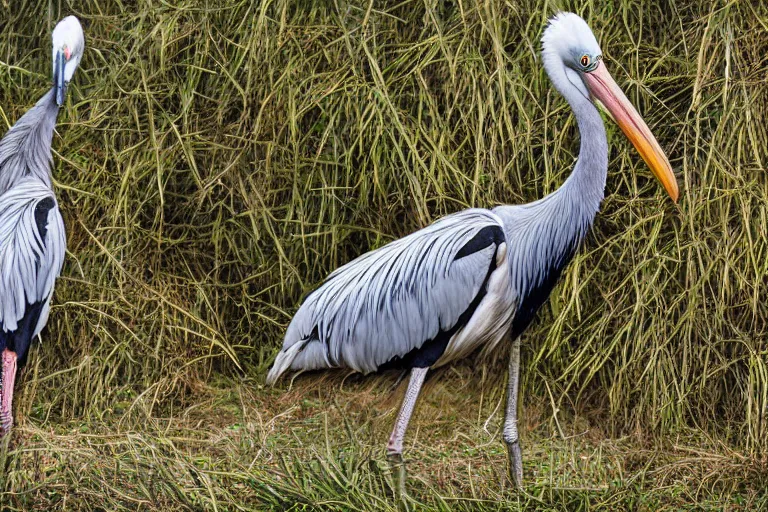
(515, 464)
(399, 476)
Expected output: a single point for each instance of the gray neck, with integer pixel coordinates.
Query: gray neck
(26, 148)
(543, 235)
(570, 210)
(586, 184)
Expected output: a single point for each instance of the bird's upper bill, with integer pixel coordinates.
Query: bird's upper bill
(68, 45)
(604, 89)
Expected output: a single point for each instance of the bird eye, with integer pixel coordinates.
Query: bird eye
(585, 60)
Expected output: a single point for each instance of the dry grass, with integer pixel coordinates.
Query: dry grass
(216, 160)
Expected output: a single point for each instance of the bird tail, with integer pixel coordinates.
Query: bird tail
(283, 361)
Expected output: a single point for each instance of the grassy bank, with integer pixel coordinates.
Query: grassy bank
(215, 161)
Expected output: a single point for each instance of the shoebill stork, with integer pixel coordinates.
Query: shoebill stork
(476, 277)
(32, 238)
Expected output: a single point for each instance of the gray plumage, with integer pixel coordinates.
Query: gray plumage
(26, 149)
(32, 237)
(392, 300)
(30, 261)
(475, 277)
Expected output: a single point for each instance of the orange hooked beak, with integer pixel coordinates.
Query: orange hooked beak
(603, 88)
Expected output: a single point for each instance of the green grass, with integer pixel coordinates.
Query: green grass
(217, 160)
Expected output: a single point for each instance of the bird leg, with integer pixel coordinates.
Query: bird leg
(6, 401)
(511, 436)
(395, 444)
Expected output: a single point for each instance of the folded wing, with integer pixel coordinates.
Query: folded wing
(401, 301)
(32, 247)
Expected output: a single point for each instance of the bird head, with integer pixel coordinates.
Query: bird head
(572, 56)
(68, 45)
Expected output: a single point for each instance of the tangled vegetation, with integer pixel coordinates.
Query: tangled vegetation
(215, 160)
